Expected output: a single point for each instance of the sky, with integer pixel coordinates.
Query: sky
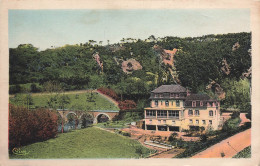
(46, 28)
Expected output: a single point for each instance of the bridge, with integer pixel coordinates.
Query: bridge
(94, 116)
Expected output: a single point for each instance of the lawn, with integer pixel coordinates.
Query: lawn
(245, 153)
(78, 101)
(86, 143)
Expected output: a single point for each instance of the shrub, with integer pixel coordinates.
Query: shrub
(126, 134)
(231, 124)
(235, 114)
(109, 92)
(34, 88)
(28, 126)
(203, 138)
(127, 104)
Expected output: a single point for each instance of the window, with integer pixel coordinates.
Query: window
(167, 103)
(164, 121)
(173, 122)
(150, 113)
(156, 102)
(191, 121)
(193, 103)
(156, 95)
(201, 103)
(177, 103)
(190, 112)
(162, 113)
(161, 95)
(197, 112)
(197, 121)
(173, 114)
(150, 121)
(172, 94)
(210, 113)
(210, 122)
(203, 122)
(177, 95)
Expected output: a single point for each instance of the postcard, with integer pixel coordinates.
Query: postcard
(129, 82)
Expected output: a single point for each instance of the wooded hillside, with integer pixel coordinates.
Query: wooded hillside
(219, 65)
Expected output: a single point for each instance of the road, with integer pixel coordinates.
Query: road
(228, 147)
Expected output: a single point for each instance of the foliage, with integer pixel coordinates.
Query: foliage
(245, 153)
(231, 124)
(108, 92)
(237, 94)
(127, 104)
(86, 143)
(198, 62)
(28, 126)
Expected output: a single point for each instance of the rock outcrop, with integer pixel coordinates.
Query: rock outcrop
(215, 87)
(130, 65)
(225, 67)
(235, 46)
(98, 60)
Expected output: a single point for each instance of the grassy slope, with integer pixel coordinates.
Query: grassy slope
(85, 143)
(245, 153)
(80, 103)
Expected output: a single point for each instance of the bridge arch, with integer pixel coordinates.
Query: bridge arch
(86, 119)
(102, 117)
(71, 112)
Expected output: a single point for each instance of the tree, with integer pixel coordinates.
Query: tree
(63, 101)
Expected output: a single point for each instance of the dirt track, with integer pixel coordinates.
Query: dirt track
(228, 147)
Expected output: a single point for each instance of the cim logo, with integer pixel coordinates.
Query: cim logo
(18, 151)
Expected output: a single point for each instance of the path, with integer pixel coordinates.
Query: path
(228, 147)
(169, 154)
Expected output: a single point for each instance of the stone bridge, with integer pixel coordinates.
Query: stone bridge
(96, 115)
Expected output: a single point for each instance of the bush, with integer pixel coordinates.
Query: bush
(28, 126)
(109, 92)
(127, 104)
(34, 88)
(231, 124)
(126, 134)
(203, 138)
(235, 114)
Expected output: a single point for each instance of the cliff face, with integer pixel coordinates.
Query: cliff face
(168, 57)
(130, 65)
(98, 60)
(216, 88)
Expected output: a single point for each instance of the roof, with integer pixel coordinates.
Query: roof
(198, 97)
(169, 88)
